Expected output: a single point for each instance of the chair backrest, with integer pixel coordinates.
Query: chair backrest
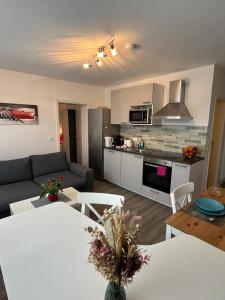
(181, 196)
(87, 199)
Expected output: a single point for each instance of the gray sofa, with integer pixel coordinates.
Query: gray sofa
(21, 178)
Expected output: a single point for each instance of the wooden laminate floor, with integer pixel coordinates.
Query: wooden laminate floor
(153, 214)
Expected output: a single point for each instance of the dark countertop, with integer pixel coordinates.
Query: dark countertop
(147, 153)
(189, 161)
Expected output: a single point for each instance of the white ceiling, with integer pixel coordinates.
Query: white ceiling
(55, 37)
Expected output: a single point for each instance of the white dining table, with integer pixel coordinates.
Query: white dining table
(44, 252)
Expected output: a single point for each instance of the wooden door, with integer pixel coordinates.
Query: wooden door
(72, 134)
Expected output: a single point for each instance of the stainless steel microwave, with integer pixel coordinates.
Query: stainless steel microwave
(140, 115)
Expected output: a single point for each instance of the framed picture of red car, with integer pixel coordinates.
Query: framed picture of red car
(18, 114)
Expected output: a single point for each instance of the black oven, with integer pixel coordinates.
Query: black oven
(157, 174)
(141, 115)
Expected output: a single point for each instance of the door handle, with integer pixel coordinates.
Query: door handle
(180, 165)
(151, 165)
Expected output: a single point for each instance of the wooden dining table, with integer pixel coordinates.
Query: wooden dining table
(195, 226)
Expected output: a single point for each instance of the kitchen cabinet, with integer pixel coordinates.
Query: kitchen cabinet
(141, 95)
(125, 169)
(120, 100)
(155, 195)
(180, 175)
(112, 165)
(123, 99)
(183, 173)
(131, 172)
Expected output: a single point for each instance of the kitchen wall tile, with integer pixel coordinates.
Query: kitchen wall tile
(170, 138)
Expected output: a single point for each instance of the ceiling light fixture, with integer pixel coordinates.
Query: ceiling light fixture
(87, 66)
(112, 48)
(98, 62)
(101, 52)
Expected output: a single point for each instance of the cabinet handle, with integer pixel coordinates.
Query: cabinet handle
(111, 151)
(151, 165)
(147, 102)
(182, 166)
(155, 192)
(138, 156)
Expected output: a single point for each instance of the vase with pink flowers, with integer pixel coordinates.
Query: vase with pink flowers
(52, 188)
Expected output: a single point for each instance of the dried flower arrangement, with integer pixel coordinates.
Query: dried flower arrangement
(115, 252)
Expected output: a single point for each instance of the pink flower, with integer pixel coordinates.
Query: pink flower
(105, 250)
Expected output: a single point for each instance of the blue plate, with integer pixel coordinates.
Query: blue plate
(218, 213)
(209, 205)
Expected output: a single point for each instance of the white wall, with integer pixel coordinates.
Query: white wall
(19, 140)
(218, 92)
(217, 139)
(198, 96)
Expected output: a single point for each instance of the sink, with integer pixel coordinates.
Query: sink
(143, 150)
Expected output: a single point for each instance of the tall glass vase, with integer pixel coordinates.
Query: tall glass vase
(115, 291)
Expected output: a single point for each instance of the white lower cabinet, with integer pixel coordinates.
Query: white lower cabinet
(156, 195)
(112, 165)
(180, 175)
(183, 173)
(125, 169)
(131, 172)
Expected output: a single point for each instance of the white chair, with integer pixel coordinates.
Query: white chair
(179, 198)
(87, 199)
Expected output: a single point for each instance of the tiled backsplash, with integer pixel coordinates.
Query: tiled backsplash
(170, 138)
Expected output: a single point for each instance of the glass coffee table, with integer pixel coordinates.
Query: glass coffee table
(70, 198)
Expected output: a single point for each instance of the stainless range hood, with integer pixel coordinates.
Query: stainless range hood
(176, 108)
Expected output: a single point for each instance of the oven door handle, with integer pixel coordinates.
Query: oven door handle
(151, 165)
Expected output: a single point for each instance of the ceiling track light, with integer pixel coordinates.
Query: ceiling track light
(87, 66)
(98, 62)
(112, 48)
(101, 52)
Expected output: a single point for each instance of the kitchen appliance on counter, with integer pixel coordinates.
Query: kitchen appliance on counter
(128, 143)
(157, 169)
(99, 127)
(118, 141)
(108, 141)
(141, 115)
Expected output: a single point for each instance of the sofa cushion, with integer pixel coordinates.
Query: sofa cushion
(49, 163)
(70, 179)
(14, 192)
(15, 170)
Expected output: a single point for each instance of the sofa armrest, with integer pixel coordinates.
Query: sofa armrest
(85, 173)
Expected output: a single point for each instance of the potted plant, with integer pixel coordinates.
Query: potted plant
(52, 188)
(115, 252)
